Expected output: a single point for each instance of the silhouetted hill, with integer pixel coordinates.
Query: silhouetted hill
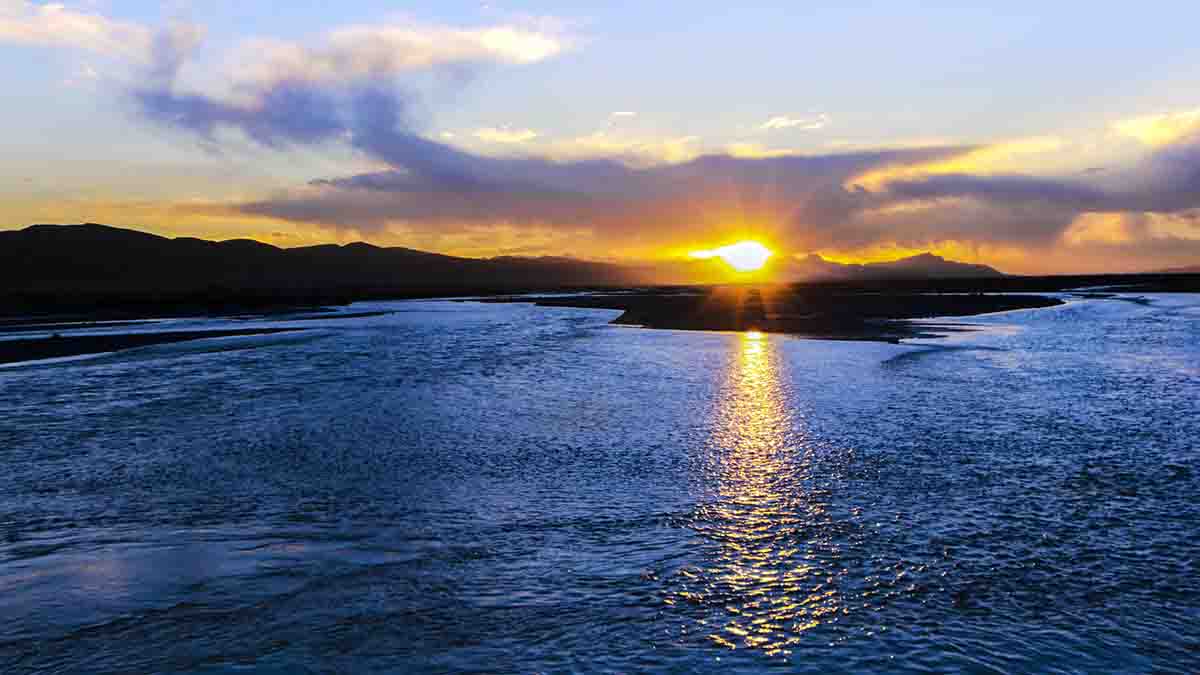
(923, 266)
(97, 259)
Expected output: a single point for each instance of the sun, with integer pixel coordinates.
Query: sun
(744, 256)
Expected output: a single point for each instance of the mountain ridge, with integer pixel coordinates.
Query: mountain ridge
(924, 265)
(92, 258)
(96, 258)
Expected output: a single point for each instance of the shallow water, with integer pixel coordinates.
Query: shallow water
(492, 488)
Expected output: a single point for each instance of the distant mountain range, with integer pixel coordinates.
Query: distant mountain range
(923, 266)
(98, 259)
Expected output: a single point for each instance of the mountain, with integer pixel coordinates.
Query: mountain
(98, 259)
(93, 260)
(923, 266)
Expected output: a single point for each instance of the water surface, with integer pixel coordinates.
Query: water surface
(479, 487)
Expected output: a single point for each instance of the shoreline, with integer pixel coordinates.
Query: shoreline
(38, 349)
(875, 311)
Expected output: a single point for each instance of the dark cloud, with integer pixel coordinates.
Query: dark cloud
(1015, 190)
(1172, 177)
(811, 201)
(1167, 181)
(287, 114)
(441, 187)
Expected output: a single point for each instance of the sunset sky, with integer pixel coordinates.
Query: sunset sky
(1037, 137)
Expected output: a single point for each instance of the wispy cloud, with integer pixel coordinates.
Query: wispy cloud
(505, 135)
(375, 52)
(628, 148)
(56, 25)
(757, 151)
(1000, 157)
(802, 123)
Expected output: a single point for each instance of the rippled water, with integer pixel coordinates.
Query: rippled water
(506, 488)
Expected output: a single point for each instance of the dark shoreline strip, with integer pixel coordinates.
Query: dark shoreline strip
(16, 327)
(797, 311)
(15, 351)
(330, 316)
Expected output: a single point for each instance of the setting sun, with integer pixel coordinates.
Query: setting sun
(744, 256)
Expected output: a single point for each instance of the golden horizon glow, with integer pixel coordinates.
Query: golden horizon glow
(744, 256)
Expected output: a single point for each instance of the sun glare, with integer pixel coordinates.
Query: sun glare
(744, 256)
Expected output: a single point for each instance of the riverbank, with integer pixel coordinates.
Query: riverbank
(15, 351)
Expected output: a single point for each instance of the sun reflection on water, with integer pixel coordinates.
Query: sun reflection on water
(771, 569)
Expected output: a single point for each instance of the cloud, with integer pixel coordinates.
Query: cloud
(756, 150)
(381, 52)
(891, 218)
(348, 53)
(277, 117)
(1008, 156)
(1167, 180)
(357, 87)
(608, 143)
(436, 189)
(624, 113)
(55, 25)
(644, 192)
(505, 135)
(1160, 129)
(803, 123)
(347, 87)
(1005, 189)
(1147, 210)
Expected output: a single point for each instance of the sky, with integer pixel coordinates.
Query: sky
(1036, 137)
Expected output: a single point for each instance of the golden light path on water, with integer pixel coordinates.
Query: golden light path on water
(771, 562)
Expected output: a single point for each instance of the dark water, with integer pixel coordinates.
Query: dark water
(505, 488)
